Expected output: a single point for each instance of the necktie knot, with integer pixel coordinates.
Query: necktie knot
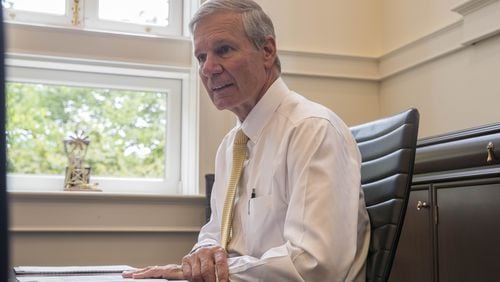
(241, 138)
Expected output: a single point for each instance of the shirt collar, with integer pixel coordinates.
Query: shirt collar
(262, 112)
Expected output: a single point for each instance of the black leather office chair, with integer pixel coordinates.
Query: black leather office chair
(209, 182)
(388, 154)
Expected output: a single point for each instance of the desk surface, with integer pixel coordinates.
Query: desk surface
(83, 278)
(99, 273)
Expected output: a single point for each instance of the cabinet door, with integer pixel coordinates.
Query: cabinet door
(413, 261)
(468, 231)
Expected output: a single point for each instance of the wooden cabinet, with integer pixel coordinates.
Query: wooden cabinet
(415, 245)
(451, 230)
(468, 231)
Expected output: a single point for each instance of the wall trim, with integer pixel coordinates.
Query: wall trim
(61, 196)
(310, 64)
(100, 212)
(470, 6)
(43, 40)
(480, 21)
(442, 42)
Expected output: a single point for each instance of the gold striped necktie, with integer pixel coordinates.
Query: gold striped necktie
(239, 156)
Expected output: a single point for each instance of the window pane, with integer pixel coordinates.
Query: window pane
(126, 129)
(147, 12)
(57, 7)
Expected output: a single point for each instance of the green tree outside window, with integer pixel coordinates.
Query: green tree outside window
(127, 129)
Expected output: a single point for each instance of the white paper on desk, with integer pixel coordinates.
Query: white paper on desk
(85, 278)
(71, 269)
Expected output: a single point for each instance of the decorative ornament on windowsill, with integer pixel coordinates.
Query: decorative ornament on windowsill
(77, 176)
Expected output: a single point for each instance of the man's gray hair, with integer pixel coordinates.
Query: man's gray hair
(256, 22)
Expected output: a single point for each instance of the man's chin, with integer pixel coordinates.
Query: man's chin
(222, 105)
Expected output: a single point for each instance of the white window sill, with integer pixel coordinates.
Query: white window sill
(107, 33)
(91, 195)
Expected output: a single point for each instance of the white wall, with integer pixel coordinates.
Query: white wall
(355, 101)
(94, 228)
(403, 21)
(327, 26)
(454, 84)
(457, 91)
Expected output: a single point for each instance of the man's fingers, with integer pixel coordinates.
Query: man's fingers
(170, 271)
(131, 273)
(127, 274)
(207, 268)
(206, 264)
(196, 274)
(186, 268)
(149, 272)
(221, 267)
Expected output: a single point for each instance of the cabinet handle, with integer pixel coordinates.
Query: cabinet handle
(491, 153)
(422, 205)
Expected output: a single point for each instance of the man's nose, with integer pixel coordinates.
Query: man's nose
(211, 66)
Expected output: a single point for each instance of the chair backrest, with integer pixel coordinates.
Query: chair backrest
(209, 182)
(387, 149)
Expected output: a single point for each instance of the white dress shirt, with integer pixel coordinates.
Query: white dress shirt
(307, 219)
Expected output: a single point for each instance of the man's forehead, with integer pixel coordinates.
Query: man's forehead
(218, 27)
(223, 21)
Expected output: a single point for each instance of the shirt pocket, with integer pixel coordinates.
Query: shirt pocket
(260, 218)
(259, 206)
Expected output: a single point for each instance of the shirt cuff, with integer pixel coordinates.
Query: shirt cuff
(197, 247)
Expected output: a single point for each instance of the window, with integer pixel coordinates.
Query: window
(155, 17)
(54, 7)
(132, 115)
(141, 117)
(52, 12)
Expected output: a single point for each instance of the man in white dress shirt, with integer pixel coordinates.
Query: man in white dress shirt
(299, 212)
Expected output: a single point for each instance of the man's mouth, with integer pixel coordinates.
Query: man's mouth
(222, 86)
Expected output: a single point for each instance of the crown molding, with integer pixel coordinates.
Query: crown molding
(470, 6)
(310, 64)
(435, 45)
(440, 43)
(481, 19)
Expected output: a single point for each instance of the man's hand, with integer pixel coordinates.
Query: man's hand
(206, 264)
(169, 271)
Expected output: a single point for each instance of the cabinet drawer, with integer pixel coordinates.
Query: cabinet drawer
(459, 151)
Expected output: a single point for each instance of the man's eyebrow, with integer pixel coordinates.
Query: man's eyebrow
(215, 44)
(221, 42)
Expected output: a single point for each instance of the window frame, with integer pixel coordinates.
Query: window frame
(18, 68)
(91, 21)
(83, 14)
(13, 15)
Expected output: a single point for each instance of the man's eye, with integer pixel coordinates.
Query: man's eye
(201, 58)
(223, 50)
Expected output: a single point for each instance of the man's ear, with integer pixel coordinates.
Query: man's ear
(269, 51)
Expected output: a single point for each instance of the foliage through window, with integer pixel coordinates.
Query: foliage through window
(126, 129)
(131, 115)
